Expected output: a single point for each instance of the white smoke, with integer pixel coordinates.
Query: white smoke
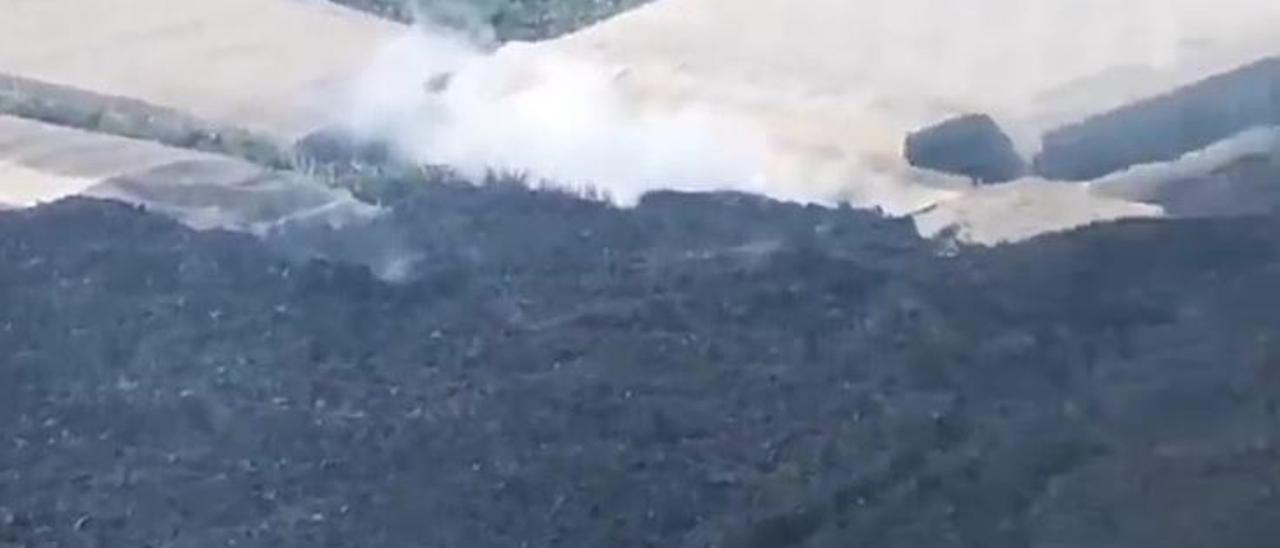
(441, 99)
(806, 100)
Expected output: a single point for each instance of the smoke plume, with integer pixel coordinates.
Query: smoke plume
(804, 100)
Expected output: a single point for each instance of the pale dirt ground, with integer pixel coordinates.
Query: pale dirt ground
(273, 66)
(24, 187)
(266, 65)
(866, 71)
(833, 85)
(41, 162)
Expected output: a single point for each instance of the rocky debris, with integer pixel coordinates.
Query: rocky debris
(972, 145)
(1165, 127)
(702, 370)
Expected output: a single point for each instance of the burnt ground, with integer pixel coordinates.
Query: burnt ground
(703, 370)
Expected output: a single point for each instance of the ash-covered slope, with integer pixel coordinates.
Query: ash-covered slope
(702, 370)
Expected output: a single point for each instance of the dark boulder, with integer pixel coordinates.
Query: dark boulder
(972, 145)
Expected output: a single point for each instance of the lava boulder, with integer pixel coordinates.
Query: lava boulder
(972, 145)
